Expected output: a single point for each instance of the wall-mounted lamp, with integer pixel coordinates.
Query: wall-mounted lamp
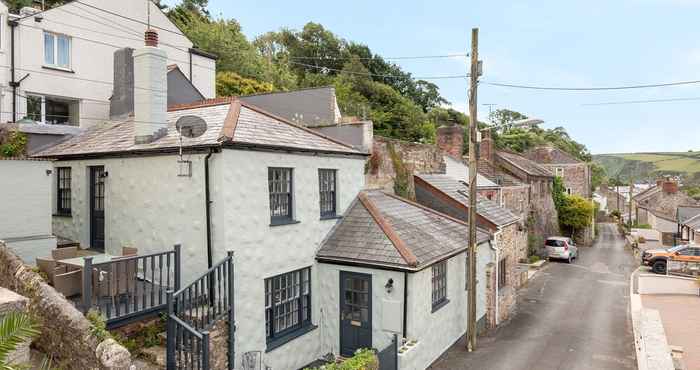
(104, 175)
(389, 285)
(48, 172)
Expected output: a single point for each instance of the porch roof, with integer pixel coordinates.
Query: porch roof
(383, 230)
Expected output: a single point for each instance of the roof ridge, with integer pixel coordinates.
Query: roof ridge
(388, 230)
(284, 120)
(545, 169)
(692, 219)
(290, 91)
(231, 121)
(202, 103)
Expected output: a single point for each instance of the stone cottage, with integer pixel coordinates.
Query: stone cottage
(450, 196)
(575, 174)
(394, 267)
(658, 205)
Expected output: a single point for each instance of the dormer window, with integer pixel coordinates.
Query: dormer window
(56, 50)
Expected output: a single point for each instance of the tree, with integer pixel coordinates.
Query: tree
(232, 84)
(575, 213)
(15, 329)
(505, 116)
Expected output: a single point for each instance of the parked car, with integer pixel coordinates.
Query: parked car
(657, 259)
(560, 247)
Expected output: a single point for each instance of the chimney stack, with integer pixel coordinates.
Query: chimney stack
(670, 186)
(121, 104)
(150, 91)
(450, 139)
(486, 147)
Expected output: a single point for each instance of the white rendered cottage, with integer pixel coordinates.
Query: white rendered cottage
(216, 175)
(394, 267)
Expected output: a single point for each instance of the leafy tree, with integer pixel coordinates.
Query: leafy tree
(575, 213)
(232, 84)
(505, 116)
(598, 175)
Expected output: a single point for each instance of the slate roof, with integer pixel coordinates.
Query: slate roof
(382, 230)
(550, 155)
(309, 107)
(492, 173)
(686, 213)
(459, 191)
(651, 191)
(229, 123)
(530, 167)
(693, 223)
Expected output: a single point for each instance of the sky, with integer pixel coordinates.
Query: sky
(544, 43)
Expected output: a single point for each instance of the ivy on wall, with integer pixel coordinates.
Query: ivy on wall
(12, 143)
(402, 178)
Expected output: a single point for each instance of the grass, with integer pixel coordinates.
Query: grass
(681, 162)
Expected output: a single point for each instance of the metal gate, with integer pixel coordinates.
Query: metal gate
(389, 356)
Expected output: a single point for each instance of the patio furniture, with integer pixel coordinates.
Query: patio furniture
(64, 253)
(69, 283)
(80, 261)
(49, 267)
(129, 251)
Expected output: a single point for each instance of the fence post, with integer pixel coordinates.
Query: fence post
(178, 267)
(396, 351)
(231, 322)
(87, 284)
(170, 333)
(205, 350)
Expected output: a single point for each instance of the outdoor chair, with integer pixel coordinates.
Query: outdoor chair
(49, 267)
(115, 281)
(64, 253)
(129, 251)
(69, 283)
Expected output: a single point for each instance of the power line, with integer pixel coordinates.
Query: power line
(379, 75)
(385, 58)
(642, 101)
(627, 87)
(129, 18)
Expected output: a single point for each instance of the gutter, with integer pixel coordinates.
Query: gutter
(405, 303)
(14, 84)
(207, 201)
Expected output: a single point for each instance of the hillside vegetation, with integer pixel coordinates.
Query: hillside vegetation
(649, 166)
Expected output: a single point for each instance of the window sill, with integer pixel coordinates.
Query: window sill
(284, 222)
(278, 342)
(61, 69)
(440, 305)
(62, 215)
(334, 217)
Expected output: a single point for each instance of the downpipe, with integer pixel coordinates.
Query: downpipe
(494, 247)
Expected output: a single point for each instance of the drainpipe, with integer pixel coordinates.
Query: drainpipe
(207, 201)
(190, 65)
(494, 247)
(13, 24)
(405, 302)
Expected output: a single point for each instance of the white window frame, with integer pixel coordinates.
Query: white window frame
(54, 63)
(559, 172)
(43, 106)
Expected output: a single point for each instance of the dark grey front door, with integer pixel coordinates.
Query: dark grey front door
(97, 207)
(355, 312)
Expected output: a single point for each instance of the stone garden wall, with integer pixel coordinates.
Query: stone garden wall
(66, 334)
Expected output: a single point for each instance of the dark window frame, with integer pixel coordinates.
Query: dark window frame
(63, 190)
(502, 273)
(279, 307)
(328, 192)
(438, 281)
(277, 196)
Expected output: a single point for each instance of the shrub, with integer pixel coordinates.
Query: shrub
(364, 359)
(402, 179)
(533, 259)
(98, 327)
(12, 143)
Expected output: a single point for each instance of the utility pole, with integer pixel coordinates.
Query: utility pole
(631, 196)
(473, 123)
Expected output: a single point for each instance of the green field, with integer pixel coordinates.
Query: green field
(648, 166)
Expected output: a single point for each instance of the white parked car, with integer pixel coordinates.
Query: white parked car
(560, 247)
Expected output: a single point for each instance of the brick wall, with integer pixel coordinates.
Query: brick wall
(419, 158)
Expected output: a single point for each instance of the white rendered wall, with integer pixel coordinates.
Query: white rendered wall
(242, 223)
(91, 76)
(26, 203)
(146, 206)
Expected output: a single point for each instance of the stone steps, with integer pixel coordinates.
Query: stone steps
(152, 358)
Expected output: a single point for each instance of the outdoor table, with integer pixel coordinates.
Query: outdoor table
(80, 261)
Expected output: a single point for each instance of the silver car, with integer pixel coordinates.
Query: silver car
(559, 247)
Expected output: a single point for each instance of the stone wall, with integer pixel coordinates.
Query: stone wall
(576, 177)
(65, 333)
(418, 158)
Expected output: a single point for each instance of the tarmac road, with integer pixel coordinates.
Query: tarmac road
(569, 317)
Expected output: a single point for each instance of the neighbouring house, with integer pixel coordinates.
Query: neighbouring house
(690, 230)
(575, 174)
(658, 207)
(215, 176)
(317, 108)
(686, 217)
(25, 196)
(393, 267)
(61, 58)
(614, 200)
(450, 196)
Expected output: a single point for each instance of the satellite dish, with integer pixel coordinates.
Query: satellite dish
(191, 126)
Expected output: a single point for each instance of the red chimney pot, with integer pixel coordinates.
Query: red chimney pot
(151, 37)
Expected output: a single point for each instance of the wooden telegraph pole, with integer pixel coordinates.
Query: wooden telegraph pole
(473, 122)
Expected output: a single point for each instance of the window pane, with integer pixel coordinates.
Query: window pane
(291, 307)
(34, 108)
(48, 49)
(63, 51)
(57, 112)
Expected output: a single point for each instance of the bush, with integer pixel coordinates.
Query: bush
(533, 259)
(364, 359)
(12, 143)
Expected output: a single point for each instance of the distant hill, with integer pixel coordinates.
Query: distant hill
(649, 166)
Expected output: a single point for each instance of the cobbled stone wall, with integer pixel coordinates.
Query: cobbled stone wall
(65, 333)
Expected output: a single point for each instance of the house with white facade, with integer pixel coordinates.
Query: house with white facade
(57, 64)
(394, 267)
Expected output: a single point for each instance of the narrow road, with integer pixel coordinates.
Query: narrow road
(570, 317)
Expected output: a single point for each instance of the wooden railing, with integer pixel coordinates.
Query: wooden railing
(193, 311)
(131, 287)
